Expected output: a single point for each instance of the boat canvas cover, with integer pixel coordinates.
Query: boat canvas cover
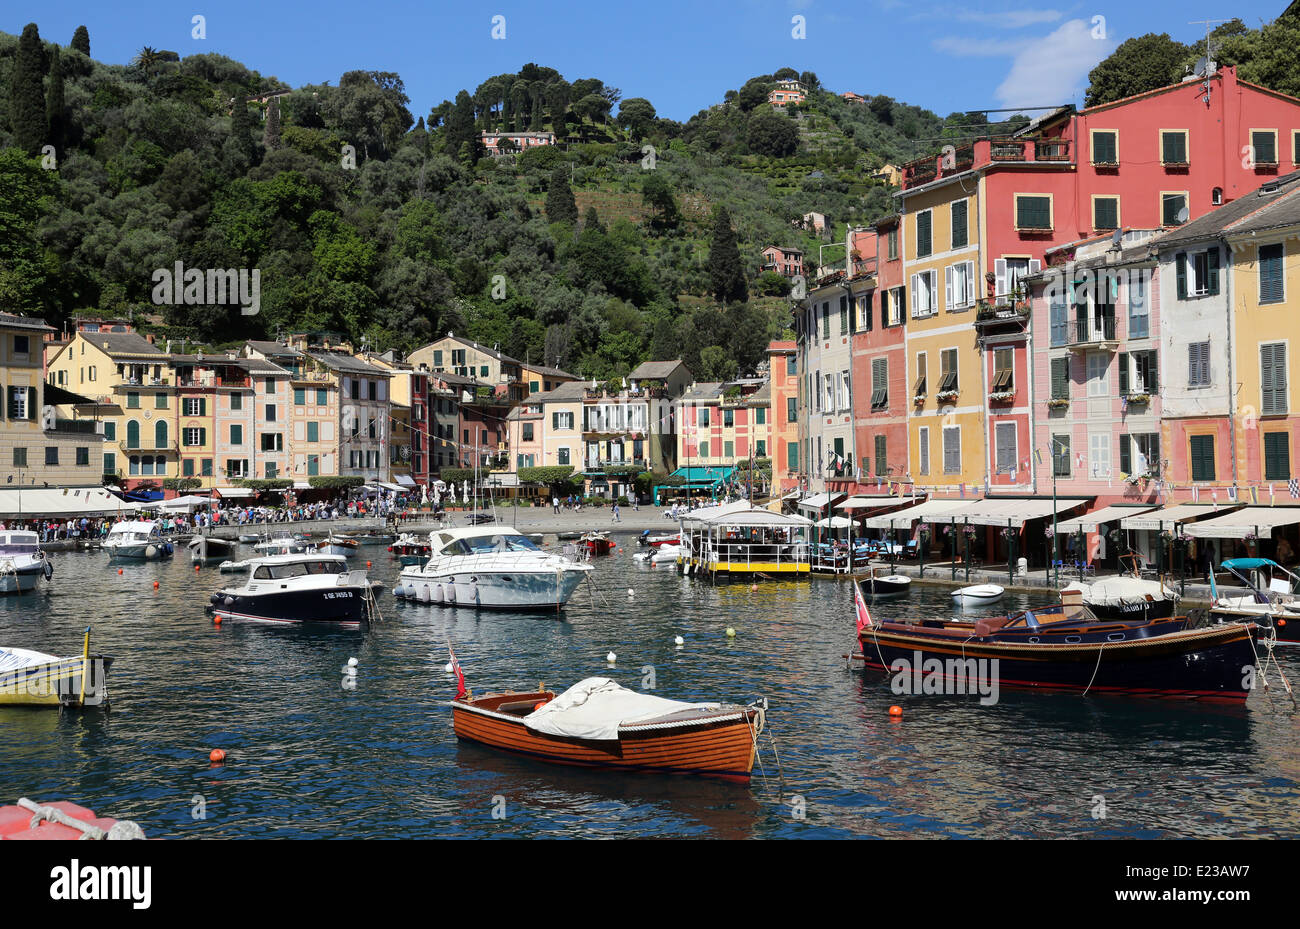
(594, 709)
(1121, 591)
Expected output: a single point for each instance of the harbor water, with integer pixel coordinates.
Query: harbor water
(309, 757)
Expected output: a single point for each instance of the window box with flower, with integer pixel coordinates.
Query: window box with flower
(946, 395)
(1058, 403)
(1002, 396)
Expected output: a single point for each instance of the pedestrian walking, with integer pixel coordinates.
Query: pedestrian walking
(616, 519)
(555, 505)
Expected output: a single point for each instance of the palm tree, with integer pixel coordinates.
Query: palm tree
(146, 60)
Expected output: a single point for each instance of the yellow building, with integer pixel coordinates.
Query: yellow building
(940, 249)
(37, 445)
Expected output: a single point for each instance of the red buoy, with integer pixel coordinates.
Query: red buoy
(119, 570)
(217, 755)
(216, 619)
(155, 585)
(895, 710)
(539, 704)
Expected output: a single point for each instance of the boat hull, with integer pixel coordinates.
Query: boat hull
(1283, 624)
(889, 586)
(151, 551)
(209, 548)
(21, 579)
(719, 749)
(516, 590)
(341, 605)
(1200, 664)
(56, 682)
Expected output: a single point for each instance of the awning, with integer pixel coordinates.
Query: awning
(395, 488)
(405, 480)
(302, 485)
(870, 503)
(1089, 522)
(1011, 512)
(235, 491)
(703, 476)
(930, 510)
(1170, 516)
(756, 516)
(34, 502)
(1260, 520)
(818, 501)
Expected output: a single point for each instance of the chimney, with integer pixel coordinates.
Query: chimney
(150, 338)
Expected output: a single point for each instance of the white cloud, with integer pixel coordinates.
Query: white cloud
(1009, 19)
(1054, 69)
(981, 48)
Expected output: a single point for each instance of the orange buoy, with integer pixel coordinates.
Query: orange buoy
(367, 564)
(1281, 622)
(119, 570)
(539, 704)
(217, 755)
(216, 618)
(196, 567)
(155, 585)
(895, 710)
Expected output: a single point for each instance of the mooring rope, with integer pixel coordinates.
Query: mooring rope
(1100, 649)
(123, 829)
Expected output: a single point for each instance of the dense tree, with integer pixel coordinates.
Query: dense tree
(657, 193)
(560, 205)
(637, 115)
(1138, 65)
(772, 134)
(81, 41)
(271, 132)
(55, 104)
(27, 92)
(725, 270)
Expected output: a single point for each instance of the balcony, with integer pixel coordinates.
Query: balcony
(982, 152)
(863, 267)
(598, 465)
(1006, 313)
(172, 448)
(1093, 332)
(76, 427)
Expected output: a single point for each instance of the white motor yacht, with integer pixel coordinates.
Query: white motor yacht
(137, 539)
(22, 563)
(492, 567)
(299, 588)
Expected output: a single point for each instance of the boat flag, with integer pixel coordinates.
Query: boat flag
(864, 616)
(1214, 590)
(460, 676)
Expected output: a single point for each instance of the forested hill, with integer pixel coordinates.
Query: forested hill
(367, 220)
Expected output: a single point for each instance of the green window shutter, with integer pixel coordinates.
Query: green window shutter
(203, 436)
(1125, 455)
(923, 243)
(1105, 213)
(1181, 261)
(960, 233)
(1277, 456)
(132, 433)
(1060, 378)
(236, 435)
(299, 396)
(1265, 145)
(1153, 372)
(1212, 270)
(1123, 372)
(1270, 274)
(1202, 448)
(1103, 148)
(792, 456)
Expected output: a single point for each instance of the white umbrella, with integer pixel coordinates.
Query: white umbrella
(835, 522)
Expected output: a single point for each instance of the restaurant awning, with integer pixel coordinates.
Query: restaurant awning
(234, 492)
(1169, 517)
(34, 502)
(933, 510)
(757, 517)
(870, 503)
(1089, 522)
(704, 477)
(405, 480)
(818, 501)
(302, 485)
(1011, 512)
(1239, 524)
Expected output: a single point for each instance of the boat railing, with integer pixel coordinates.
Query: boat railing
(494, 561)
(771, 554)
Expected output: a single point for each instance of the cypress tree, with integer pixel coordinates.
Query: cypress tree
(560, 205)
(27, 92)
(591, 220)
(725, 270)
(54, 103)
(241, 129)
(462, 136)
(271, 134)
(81, 41)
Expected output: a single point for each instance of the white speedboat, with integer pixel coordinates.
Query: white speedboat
(139, 540)
(22, 563)
(880, 584)
(29, 678)
(492, 567)
(977, 595)
(299, 588)
(282, 543)
(666, 554)
(205, 548)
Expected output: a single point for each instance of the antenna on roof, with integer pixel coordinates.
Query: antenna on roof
(1115, 238)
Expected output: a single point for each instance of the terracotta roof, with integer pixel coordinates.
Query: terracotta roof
(1273, 204)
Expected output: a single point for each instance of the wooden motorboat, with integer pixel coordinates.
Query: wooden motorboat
(598, 543)
(337, 545)
(29, 678)
(977, 595)
(1066, 648)
(598, 724)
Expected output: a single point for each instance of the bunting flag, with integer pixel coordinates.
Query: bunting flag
(1293, 486)
(962, 490)
(1214, 495)
(1038, 455)
(1196, 494)
(1078, 459)
(1254, 494)
(1271, 500)
(1232, 494)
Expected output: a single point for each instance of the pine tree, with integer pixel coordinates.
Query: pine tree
(271, 134)
(81, 41)
(241, 129)
(725, 270)
(560, 205)
(27, 92)
(54, 102)
(591, 220)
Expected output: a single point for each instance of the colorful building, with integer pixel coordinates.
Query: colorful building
(783, 376)
(503, 374)
(787, 262)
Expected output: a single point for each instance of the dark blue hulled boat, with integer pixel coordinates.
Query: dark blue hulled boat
(1065, 648)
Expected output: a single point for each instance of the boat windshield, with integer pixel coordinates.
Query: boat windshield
(487, 544)
(17, 548)
(277, 572)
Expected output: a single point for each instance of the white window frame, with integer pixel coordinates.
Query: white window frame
(932, 279)
(1102, 441)
(1098, 383)
(896, 306)
(959, 294)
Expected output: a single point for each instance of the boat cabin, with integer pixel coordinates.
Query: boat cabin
(282, 567)
(18, 542)
(480, 542)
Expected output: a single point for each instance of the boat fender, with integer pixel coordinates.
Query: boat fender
(230, 601)
(399, 591)
(426, 595)
(48, 568)
(451, 591)
(437, 593)
(150, 551)
(473, 592)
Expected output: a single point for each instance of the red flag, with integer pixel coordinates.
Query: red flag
(460, 676)
(864, 617)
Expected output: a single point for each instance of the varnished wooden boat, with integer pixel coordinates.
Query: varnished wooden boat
(717, 743)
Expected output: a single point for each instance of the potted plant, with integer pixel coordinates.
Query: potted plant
(1002, 396)
(1058, 403)
(947, 395)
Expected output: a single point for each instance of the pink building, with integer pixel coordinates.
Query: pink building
(515, 141)
(787, 262)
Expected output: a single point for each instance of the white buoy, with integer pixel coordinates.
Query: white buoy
(611, 657)
(731, 633)
(450, 669)
(349, 682)
(679, 641)
(631, 592)
(352, 662)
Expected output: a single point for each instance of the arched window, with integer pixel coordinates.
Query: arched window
(160, 434)
(132, 434)
(1216, 196)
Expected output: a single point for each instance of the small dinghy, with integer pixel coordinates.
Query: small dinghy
(337, 545)
(596, 723)
(249, 538)
(598, 543)
(666, 554)
(977, 595)
(879, 584)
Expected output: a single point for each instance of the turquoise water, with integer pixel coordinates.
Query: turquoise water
(308, 758)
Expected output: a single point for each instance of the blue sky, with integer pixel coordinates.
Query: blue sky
(681, 54)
